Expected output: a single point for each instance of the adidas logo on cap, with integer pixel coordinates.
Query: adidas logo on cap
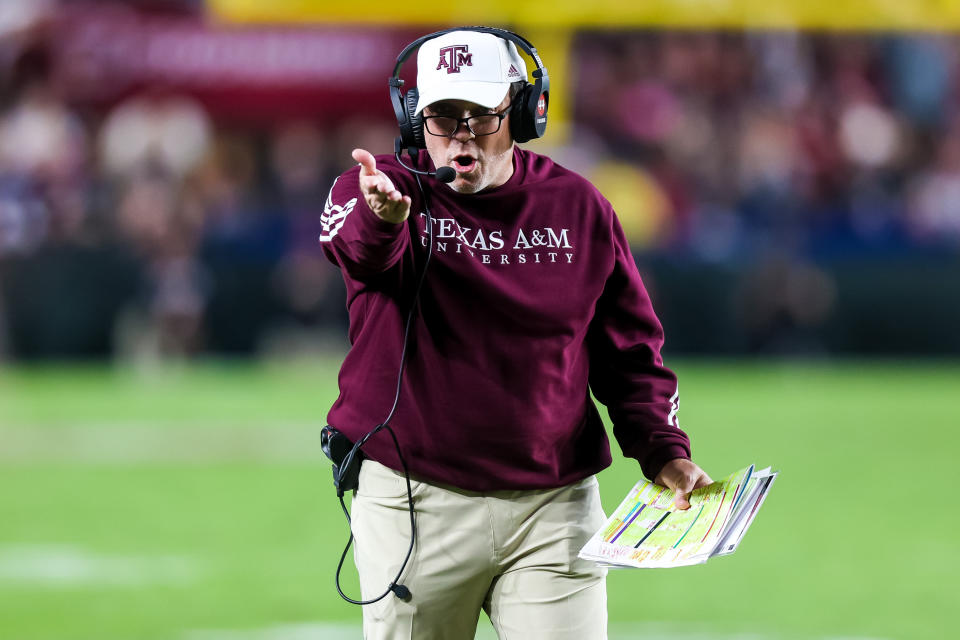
(512, 72)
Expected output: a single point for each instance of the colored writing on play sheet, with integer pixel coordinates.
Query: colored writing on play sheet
(648, 530)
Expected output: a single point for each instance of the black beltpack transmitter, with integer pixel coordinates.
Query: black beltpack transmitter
(336, 446)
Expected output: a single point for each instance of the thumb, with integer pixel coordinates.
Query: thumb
(368, 164)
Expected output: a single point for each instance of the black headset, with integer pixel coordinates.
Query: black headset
(528, 113)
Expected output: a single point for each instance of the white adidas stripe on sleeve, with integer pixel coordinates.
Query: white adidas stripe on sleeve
(334, 215)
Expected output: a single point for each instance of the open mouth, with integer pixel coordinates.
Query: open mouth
(464, 164)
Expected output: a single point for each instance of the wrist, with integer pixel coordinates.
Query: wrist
(392, 218)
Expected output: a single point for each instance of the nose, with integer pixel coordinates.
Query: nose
(463, 132)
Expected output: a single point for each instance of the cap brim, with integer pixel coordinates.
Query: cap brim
(485, 94)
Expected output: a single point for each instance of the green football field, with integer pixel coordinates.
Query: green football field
(192, 502)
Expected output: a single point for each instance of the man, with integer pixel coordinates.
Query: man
(531, 300)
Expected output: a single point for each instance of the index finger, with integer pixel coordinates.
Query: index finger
(368, 164)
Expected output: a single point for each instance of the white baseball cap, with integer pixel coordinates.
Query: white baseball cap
(467, 65)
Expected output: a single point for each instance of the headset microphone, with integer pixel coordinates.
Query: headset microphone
(443, 174)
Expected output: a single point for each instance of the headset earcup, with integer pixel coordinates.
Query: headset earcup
(539, 101)
(519, 127)
(415, 138)
(528, 123)
(399, 104)
(411, 126)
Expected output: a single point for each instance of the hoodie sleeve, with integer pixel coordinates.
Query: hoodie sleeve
(627, 373)
(353, 237)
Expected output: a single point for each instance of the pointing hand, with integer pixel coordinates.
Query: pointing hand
(378, 190)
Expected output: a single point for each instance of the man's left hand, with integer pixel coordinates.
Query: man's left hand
(682, 476)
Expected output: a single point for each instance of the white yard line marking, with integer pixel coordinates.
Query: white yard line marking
(305, 631)
(125, 444)
(620, 631)
(69, 566)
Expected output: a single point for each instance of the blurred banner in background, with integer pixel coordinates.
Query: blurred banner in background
(791, 188)
(699, 14)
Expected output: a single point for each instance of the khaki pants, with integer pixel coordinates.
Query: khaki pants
(511, 553)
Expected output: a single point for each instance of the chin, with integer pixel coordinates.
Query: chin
(463, 186)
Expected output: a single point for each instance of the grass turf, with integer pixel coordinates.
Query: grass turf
(858, 537)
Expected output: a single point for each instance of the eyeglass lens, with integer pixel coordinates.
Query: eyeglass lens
(482, 125)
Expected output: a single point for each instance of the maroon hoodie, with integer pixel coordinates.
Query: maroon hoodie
(531, 300)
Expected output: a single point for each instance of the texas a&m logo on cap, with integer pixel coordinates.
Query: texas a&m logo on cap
(454, 57)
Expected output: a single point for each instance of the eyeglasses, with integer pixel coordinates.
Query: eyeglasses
(482, 125)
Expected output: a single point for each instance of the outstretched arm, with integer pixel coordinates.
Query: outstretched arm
(364, 230)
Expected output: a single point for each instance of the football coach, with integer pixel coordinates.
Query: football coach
(489, 290)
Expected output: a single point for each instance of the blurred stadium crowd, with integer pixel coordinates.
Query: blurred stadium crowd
(782, 141)
(745, 168)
